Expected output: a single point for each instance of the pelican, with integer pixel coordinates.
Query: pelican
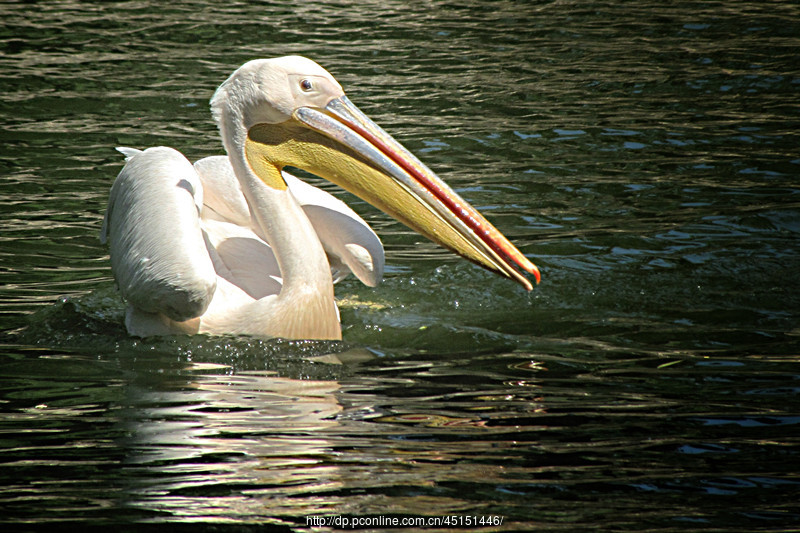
(235, 245)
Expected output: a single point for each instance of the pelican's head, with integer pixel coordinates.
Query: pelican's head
(268, 91)
(294, 113)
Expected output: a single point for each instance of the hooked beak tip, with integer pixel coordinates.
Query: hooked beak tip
(536, 273)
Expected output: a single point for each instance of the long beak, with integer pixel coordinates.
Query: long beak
(379, 170)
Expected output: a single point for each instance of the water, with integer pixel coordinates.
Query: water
(644, 155)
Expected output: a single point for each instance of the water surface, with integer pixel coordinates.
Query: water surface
(644, 155)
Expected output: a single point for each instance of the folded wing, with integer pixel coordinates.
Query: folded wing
(152, 225)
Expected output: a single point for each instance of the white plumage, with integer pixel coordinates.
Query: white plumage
(178, 228)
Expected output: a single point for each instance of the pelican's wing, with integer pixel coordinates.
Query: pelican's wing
(222, 194)
(240, 255)
(243, 258)
(345, 236)
(158, 252)
(350, 243)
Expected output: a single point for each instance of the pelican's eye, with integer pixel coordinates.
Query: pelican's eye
(306, 85)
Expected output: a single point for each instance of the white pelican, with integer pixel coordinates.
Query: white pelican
(232, 244)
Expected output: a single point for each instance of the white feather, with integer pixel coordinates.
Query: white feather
(158, 251)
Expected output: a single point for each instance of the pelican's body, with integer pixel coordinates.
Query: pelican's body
(232, 244)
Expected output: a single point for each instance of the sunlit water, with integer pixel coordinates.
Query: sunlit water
(644, 155)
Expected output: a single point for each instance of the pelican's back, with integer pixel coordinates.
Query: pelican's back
(158, 251)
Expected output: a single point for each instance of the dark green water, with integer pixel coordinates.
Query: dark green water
(645, 155)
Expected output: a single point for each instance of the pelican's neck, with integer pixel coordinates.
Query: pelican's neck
(305, 305)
